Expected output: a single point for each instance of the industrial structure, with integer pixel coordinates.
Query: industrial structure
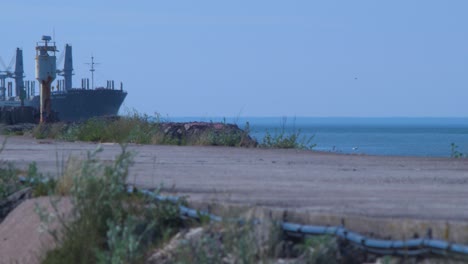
(46, 71)
(60, 101)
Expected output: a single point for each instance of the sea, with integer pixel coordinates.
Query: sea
(425, 137)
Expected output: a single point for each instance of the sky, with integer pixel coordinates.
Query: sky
(361, 58)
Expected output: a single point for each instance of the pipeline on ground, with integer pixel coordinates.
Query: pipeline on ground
(411, 247)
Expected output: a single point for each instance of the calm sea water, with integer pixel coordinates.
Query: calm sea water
(372, 136)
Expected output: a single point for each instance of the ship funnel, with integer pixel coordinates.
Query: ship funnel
(68, 67)
(46, 71)
(19, 72)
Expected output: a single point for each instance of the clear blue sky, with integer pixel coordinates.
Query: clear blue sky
(261, 57)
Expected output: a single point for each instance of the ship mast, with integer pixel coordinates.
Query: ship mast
(92, 70)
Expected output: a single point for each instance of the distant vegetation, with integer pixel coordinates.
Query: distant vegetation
(282, 138)
(129, 129)
(454, 153)
(142, 129)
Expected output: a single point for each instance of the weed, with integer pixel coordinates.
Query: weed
(8, 180)
(142, 129)
(41, 186)
(53, 130)
(228, 242)
(8, 176)
(454, 153)
(106, 224)
(386, 259)
(224, 138)
(318, 250)
(285, 139)
(133, 128)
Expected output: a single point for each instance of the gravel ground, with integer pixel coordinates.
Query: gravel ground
(371, 186)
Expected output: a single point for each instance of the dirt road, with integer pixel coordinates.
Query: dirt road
(409, 187)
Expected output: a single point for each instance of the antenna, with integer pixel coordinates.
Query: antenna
(92, 70)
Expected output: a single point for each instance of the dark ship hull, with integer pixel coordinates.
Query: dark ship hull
(81, 104)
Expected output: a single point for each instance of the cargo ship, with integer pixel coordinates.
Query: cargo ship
(69, 104)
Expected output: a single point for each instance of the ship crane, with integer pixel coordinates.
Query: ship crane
(67, 71)
(7, 70)
(18, 75)
(6, 73)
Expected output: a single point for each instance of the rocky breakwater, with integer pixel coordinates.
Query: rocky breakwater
(206, 133)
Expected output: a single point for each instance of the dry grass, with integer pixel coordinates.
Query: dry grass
(65, 182)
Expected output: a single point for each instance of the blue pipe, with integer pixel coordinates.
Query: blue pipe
(411, 247)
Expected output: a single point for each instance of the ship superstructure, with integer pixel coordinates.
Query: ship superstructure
(70, 104)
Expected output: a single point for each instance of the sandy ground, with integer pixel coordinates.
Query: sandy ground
(428, 188)
(381, 195)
